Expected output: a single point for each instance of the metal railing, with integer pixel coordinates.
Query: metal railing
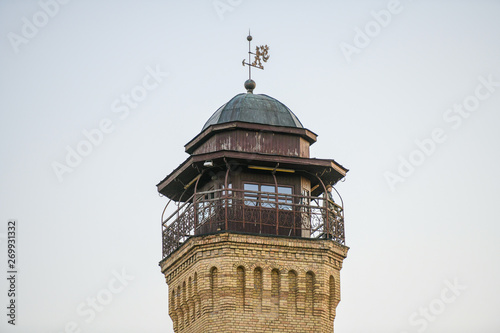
(253, 212)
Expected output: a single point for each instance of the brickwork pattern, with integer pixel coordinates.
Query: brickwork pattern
(231, 282)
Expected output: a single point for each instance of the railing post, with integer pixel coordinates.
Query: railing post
(241, 199)
(195, 208)
(176, 222)
(276, 202)
(259, 202)
(295, 214)
(327, 208)
(225, 196)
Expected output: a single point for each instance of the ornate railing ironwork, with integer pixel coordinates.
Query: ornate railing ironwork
(253, 212)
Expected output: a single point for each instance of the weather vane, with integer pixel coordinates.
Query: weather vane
(261, 54)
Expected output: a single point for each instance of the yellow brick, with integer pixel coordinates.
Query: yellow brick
(246, 283)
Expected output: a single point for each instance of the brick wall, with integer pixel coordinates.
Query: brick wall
(231, 282)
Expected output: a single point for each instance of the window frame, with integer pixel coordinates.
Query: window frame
(260, 196)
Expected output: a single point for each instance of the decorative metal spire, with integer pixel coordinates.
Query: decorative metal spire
(261, 54)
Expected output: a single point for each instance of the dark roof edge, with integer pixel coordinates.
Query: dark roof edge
(237, 154)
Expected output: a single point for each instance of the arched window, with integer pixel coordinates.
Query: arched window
(197, 298)
(240, 272)
(172, 300)
(191, 300)
(310, 286)
(258, 286)
(172, 310)
(213, 287)
(180, 313)
(184, 292)
(190, 288)
(275, 290)
(331, 298)
(292, 291)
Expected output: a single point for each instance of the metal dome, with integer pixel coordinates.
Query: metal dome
(254, 108)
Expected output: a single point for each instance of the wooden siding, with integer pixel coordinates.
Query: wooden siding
(256, 142)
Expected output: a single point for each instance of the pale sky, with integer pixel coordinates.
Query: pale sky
(405, 94)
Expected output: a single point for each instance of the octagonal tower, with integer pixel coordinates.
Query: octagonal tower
(255, 242)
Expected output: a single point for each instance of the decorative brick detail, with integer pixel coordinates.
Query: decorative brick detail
(230, 282)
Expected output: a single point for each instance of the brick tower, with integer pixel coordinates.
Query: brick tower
(253, 240)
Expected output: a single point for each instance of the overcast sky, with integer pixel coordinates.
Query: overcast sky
(98, 99)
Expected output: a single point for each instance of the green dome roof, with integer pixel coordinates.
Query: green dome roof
(254, 108)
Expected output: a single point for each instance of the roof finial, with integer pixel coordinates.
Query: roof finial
(260, 51)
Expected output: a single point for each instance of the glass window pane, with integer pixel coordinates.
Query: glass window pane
(251, 187)
(250, 197)
(268, 200)
(268, 197)
(284, 196)
(250, 201)
(284, 189)
(268, 188)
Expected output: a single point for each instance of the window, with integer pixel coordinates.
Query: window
(251, 195)
(205, 206)
(210, 195)
(241, 286)
(275, 290)
(292, 291)
(229, 186)
(332, 297)
(267, 196)
(213, 287)
(285, 197)
(258, 287)
(310, 281)
(227, 193)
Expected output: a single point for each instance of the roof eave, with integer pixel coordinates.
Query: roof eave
(193, 165)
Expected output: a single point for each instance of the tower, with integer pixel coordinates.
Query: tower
(254, 241)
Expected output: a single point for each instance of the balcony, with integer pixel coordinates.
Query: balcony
(253, 212)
